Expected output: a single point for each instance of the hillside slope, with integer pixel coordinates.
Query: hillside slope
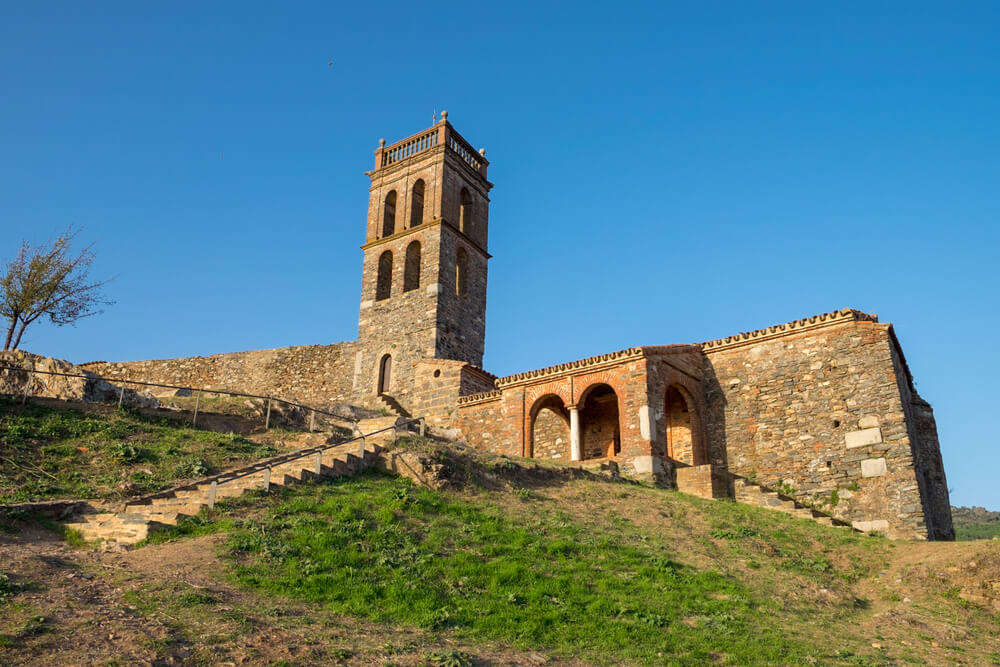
(975, 523)
(61, 449)
(510, 562)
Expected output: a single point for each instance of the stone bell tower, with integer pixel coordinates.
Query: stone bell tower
(423, 281)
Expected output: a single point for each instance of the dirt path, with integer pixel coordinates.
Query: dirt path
(170, 604)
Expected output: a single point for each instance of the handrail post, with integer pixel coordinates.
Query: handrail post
(211, 494)
(362, 448)
(267, 419)
(267, 479)
(121, 395)
(312, 421)
(27, 388)
(319, 463)
(197, 404)
(423, 427)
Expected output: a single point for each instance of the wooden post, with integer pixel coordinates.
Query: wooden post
(211, 494)
(423, 427)
(319, 463)
(267, 479)
(362, 454)
(197, 404)
(27, 388)
(312, 421)
(121, 396)
(267, 419)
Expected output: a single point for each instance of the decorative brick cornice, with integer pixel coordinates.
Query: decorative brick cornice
(796, 326)
(601, 359)
(480, 398)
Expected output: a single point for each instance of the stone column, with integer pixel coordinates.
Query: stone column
(575, 453)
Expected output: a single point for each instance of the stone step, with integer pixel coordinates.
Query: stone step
(140, 518)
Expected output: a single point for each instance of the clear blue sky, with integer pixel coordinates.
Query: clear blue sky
(672, 172)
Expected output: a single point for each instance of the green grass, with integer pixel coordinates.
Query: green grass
(379, 548)
(64, 453)
(981, 531)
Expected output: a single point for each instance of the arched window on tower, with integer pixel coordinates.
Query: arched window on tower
(465, 213)
(461, 272)
(411, 268)
(383, 288)
(389, 215)
(417, 204)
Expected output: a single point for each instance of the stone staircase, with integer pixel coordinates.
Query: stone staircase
(745, 491)
(142, 516)
(392, 405)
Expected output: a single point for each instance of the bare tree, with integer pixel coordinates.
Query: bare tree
(49, 279)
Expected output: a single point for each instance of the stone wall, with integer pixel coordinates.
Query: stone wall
(403, 326)
(550, 435)
(820, 414)
(315, 375)
(922, 430)
(461, 332)
(492, 424)
(438, 384)
(704, 481)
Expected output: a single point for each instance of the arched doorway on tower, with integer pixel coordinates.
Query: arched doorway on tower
(384, 374)
(549, 429)
(600, 434)
(684, 444)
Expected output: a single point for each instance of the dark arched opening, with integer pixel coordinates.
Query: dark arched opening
(411, 267)
(384, 374)
(465, 213)
(389, 215)
(383, 287)
(417, 204)
(600, 435)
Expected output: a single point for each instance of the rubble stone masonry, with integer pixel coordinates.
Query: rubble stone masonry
(821, 415)
(315, 375)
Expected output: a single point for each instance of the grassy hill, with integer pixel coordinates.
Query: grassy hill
(975, 523)
(511, 562)
(52, 449)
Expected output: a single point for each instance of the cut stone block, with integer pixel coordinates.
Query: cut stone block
(868, 436)
(873, 467)
(869, 526)
(868, 421)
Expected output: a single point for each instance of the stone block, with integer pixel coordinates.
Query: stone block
(868, 436)
(873, 467)
(869, 526)
(868, 421)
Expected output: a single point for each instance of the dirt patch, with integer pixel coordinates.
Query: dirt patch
(171, 604)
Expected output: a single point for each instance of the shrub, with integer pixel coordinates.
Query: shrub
(125, 452)
(191, 467)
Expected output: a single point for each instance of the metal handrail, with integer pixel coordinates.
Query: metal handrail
(267, 464)
(264, 465)
(121, 396)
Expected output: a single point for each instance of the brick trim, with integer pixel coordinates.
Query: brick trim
(788, 328)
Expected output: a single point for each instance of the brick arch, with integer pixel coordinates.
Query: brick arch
(548, 428)
(685, 443)
(600, 406)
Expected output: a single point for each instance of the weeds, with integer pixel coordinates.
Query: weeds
(61, 452)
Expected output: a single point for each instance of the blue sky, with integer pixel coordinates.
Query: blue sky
(669, 172)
